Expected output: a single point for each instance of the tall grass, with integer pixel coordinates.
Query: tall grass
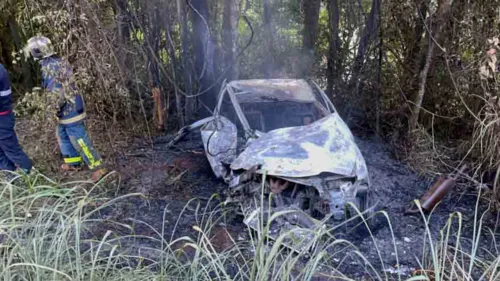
(48, 232)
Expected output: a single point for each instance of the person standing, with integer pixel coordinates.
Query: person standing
(12, 155)
(67, 104)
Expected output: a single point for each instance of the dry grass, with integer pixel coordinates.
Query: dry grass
(46, 233)
(427, 156)
(486, 142)
(40, 143)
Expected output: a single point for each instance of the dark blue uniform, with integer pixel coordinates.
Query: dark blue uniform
(56, 79)
(72, 135)
(11, 153)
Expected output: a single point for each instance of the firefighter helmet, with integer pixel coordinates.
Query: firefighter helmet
(40, 47)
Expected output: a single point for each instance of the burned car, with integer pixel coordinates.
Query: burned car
(290, 131)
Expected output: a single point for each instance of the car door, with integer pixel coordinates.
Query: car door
(219, 138)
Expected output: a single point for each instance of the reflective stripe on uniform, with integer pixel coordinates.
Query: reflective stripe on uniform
(92, 162)
(96, 164)
(73, 160)
(73, 119)
(5, 93)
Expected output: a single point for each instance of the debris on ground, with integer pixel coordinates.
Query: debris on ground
(436, 193)
(394, 185)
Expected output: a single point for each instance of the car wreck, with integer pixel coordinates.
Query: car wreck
(289, 131)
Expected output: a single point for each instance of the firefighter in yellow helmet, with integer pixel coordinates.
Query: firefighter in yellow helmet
(67, 104)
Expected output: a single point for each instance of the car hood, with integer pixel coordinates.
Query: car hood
(325, 146)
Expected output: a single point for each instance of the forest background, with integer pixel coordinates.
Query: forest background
(421, 75)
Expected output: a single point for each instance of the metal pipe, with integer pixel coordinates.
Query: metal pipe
(437, 192)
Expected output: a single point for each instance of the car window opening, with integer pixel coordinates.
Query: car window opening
(270, 115)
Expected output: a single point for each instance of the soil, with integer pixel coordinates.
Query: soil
(173, 181)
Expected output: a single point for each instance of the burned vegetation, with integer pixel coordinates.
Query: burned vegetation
(250, 140)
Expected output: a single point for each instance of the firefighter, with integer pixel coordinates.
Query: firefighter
(12, 155)
(68, 106)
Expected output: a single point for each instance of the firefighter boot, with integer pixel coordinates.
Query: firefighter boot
(70, 168)
(97, 175)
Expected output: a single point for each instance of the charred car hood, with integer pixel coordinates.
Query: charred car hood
(325, 146)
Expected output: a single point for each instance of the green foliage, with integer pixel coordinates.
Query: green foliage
(32, 104)
(118, 53)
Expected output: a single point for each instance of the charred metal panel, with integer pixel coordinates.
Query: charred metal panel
(220, 142)
(273, 90)
(325, 146)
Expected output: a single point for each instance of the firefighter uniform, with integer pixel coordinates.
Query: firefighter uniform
(72, 135)
(11, 153)
(67, 104)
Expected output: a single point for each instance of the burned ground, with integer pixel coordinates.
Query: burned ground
(170, 178)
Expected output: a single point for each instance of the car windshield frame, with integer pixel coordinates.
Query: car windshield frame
(232, 92)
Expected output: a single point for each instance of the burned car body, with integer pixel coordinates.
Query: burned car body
(289, 130)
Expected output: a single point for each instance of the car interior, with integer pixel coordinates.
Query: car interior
(268, 116)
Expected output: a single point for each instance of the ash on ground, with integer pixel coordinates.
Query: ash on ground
(179, 189)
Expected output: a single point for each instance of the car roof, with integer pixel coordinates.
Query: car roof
(268, 90)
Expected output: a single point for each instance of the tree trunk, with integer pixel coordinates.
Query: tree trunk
(17, 36)
(378, 98)
(189, 107)
(204, 55)
(309, 33)
(418, 33)
(334, 61)
(153, 36)
(174, 66)
(369, 33)
(415, 56)
(230, 36)
(440, 20)
(155, 31)
(6, 49)
(122, 21)
(269, 66)
(7, 9)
